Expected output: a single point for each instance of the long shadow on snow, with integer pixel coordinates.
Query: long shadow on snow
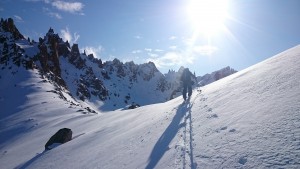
(28, 163)
(162, 145)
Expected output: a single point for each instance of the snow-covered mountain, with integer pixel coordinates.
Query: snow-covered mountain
(102, 84)
(250, 119)
(214, 76)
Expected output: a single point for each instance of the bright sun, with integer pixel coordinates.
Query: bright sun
(207, 16)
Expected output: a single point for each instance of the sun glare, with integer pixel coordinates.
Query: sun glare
(207, 16)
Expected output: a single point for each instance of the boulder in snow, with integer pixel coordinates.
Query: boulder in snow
(133, 106)
(61, 136)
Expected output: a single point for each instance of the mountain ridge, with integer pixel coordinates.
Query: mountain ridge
(87, 77)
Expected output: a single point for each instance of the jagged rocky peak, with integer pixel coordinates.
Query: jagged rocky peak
(75, 52)
(149, 70)
(175, 75)
(146, 71)
(54, 43)
(64, 48)
(9, 50)
(48, 55)
(75, 57)
(51, 48)
(120, 67)
(8, 26)
(50, 31)
(223, 73)
(151, 67)
(94, 60)
(51, 37)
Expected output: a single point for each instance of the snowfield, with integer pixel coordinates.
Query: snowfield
(250, 119)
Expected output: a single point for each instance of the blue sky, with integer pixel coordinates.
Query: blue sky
(166, 31)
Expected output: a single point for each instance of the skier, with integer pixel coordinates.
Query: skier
(187, 82)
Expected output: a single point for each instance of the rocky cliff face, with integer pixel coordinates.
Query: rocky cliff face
(9, 26)
(48, 55)
(107, 85)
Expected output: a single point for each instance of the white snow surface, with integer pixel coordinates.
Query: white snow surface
(250, 119)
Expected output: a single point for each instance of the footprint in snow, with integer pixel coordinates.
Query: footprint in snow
(203, 99)
(243, 160)
(232, 130)
(221, 129)
(224, 128)
(212, 116)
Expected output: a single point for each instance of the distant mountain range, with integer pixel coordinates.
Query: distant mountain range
(106, 85)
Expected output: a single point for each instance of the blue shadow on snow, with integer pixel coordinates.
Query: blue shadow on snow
(162, 145)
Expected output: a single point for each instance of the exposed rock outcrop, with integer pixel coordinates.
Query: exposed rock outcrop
(9, 26)
(61, 136)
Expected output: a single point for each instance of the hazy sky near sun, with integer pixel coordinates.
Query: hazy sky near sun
(204, 35)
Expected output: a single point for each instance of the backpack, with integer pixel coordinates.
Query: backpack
(186, 76)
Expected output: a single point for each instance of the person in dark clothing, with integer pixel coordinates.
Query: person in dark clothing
(187, 82)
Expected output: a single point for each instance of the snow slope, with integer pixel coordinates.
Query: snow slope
(250, 119)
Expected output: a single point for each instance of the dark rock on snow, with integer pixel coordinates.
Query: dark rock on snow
(133, 106)
(61, 136)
